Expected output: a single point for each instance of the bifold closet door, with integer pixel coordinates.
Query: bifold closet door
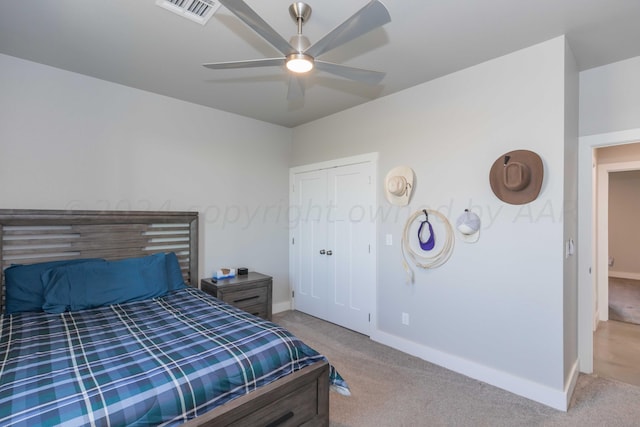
(334, 267)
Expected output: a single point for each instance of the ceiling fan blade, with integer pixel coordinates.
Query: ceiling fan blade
(247, 15)
(357, 74)
(296, 88)
(252, 63)
(372, 16)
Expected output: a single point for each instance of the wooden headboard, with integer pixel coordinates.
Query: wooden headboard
(30, 236)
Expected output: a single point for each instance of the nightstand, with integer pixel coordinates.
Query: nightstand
(251, 292)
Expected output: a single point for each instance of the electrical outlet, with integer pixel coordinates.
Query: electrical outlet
(405, 318)
(389, 240)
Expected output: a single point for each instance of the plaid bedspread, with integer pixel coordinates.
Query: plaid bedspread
(155, 362)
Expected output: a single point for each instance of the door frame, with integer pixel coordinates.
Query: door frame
(587, 225)
(329, 164)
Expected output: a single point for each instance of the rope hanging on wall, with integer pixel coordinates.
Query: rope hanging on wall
(419, 258)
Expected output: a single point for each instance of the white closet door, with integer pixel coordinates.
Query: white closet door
(351, 265)
(308, 216)
(333, 265)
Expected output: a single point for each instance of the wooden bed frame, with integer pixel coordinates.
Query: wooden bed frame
(30, 236)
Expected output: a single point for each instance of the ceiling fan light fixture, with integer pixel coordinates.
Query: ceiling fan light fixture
(299, 63)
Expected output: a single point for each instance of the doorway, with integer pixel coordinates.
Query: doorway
(591, 265)
(617, 338)
(333, 240)
(603, 257)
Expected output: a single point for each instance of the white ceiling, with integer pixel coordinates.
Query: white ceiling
(138, 44)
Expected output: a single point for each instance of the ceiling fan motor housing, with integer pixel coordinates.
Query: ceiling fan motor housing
(300, 42)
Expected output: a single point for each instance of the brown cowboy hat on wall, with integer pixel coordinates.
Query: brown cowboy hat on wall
(516, 177)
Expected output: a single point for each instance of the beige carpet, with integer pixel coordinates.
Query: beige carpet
(390, 388)
(624, 300)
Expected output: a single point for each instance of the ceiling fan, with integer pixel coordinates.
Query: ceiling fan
(300, 56)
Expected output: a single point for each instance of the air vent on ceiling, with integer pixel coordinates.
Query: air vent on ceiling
(196, 10)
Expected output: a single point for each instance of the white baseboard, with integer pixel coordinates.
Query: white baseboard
(624, 275)
(555, 398)
(279, 307)
(572, 380)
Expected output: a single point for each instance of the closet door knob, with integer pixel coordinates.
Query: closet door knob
(322, 251)
(329, 253)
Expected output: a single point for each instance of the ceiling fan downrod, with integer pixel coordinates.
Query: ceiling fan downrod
(299, 62)
(300, 12)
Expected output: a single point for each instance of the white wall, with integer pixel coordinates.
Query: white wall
(495, 311)
(570, 219)
(610, 97)
(71, 141)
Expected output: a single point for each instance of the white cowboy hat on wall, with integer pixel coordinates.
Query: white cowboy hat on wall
(398, 185)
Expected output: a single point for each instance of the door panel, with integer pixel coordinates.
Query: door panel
(310, 238)
(349, 291)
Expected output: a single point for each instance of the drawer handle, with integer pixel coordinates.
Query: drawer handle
(280, 420)
(247, 299)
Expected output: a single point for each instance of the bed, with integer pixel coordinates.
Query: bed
(169, 356)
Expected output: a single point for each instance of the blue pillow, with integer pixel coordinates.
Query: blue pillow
(24, 288)
(97, 284)
(174, 274)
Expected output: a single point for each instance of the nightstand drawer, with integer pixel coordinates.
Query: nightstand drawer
(256, 310)
(246, 298)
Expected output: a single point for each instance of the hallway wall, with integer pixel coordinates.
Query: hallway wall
(624, 233)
